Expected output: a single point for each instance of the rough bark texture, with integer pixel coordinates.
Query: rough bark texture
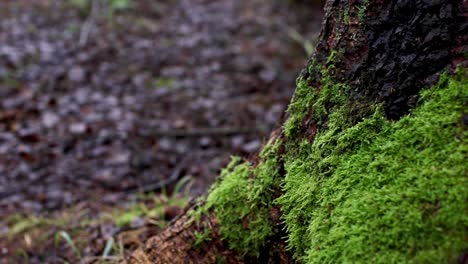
(386, 51)
(395, 49)
(177, 244)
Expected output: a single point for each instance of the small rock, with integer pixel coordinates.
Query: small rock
(111, 100)
(205, 142)
(119, 158)
(49, 119)
(115, 114)
(237, 141)
(81, 96)
(76, 74)
(77, 128)
(165, 144)
(267, 75)
(251, 146)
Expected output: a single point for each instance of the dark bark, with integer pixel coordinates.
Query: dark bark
(396, 49)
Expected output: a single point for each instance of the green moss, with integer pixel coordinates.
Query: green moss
(366, 189)
(241, 199)
(221, 260)
(164, 82)
(362, 10)
(377, 191)
(321, 100)
(303, 98)
(346, 17)
(202, 237)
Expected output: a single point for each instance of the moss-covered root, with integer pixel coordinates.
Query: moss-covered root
(380, 191)
(364, 190)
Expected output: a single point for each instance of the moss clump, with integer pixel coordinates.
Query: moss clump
(381, 191)
(241, 201)
(366, 189)
(303, 98)
(322, 101)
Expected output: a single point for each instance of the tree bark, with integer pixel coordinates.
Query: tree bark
(385, 52)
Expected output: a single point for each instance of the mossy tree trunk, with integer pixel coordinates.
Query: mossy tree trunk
(366, 166)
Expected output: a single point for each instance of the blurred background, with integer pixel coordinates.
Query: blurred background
(105, 103)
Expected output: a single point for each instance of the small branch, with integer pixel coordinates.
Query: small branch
(88, 25)
(217, 131)
(176, 173)
(10, 192)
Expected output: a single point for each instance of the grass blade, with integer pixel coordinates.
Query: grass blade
(108, 248)
(70, 242)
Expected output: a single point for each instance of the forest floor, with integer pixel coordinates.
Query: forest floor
(111, 120)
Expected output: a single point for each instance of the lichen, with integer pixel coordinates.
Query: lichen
(380, 191)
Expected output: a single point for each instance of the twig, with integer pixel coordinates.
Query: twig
(10, 192)
(217, 131)
(96, 259)
(163, 183)
(88, 25)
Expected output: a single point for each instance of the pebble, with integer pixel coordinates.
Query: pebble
(77, 128)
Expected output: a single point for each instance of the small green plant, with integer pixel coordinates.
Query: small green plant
(20, 224)
(65, 236)
(362, 10)
(112, 5)
(346, 17)
(74, 28)
(179, 198)
(117, 5)
(10, 81)
(307, 44)
(82, 4)
(164, 82)
(108, 248)
(221, 260)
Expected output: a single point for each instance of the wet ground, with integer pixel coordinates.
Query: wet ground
(99, 105)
